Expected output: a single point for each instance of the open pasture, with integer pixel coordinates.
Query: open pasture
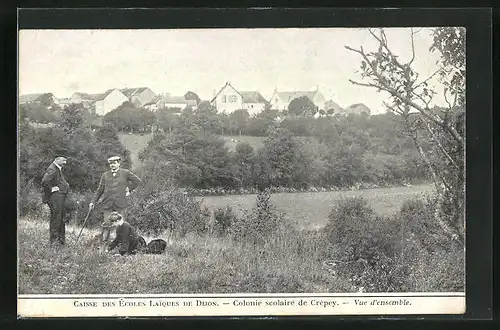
(311, 209)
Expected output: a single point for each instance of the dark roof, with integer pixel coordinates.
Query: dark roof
(332, 105)
(86, 96)
(154, 100)
(128, 92)
(252, 97)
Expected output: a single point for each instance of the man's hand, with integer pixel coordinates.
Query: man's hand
(54, 189)
(91, 206)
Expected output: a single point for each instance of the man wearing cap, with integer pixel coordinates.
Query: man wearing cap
(55, 190)
(114, 188)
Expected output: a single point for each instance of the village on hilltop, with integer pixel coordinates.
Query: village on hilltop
(228, 99)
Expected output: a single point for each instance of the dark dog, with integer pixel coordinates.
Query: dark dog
(156, 246)
(141, 243)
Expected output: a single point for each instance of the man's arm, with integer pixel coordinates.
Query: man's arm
(48, 177)
(118, 238)
(99, 190)
(133, 180)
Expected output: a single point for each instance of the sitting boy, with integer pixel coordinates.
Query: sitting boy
(126, 238)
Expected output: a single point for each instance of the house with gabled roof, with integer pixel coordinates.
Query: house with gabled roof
(170, 101)
(109, 101)
(139, 96)
(281, 100)
(86, 99)
(229, 99)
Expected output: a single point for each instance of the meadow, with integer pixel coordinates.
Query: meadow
(310, 210)
(192, 264)
(290, 261)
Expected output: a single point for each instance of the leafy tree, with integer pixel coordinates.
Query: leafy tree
(244, 164)
(281, 154)
(128, 118)
(259, 124)
(73, 137)
(37, 113)
(239, 121)
(410, 97)
(167, 119)
(302, 106)
(192, 96)
(299, 126)
(109, 144)
(205, 118)
(190, 157)
(73, 117)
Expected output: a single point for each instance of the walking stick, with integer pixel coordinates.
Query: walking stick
(83, 226)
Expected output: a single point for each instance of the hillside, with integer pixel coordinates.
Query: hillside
(136, 142)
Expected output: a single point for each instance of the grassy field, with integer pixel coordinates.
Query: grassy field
(310, 210)
(190, 265)
(256, 142)
(288, 261)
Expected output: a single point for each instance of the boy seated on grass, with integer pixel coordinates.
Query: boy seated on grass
(126, 239)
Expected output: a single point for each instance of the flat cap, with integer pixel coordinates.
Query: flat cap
(113, 159)
(115, 216)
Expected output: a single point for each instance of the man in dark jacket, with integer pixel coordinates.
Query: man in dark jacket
(126, 238)
(114, 187)
(55, 191)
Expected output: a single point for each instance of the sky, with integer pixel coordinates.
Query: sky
(203, 60)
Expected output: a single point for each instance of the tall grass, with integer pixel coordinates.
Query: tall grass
(192, 264)
(358, 251)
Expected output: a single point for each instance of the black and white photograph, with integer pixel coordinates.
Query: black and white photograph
(249, 165)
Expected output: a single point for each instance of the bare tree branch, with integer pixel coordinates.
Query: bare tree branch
(384, 86)
(412, 48)
(430, 77)
(383, 42)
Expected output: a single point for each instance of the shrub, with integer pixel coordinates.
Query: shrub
(29, 198)
(224, 219)
(365, 246)
(416, 215)
(351, 225)
(263, 221)
(157, 209)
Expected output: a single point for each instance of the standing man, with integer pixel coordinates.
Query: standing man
(55, 190)
(114, 188)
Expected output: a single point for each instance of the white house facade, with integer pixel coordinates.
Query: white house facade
(109, 101)
(281, 100)
(229, 99)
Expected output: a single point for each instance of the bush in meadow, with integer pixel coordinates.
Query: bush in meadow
(260, 223)
(224, 219)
